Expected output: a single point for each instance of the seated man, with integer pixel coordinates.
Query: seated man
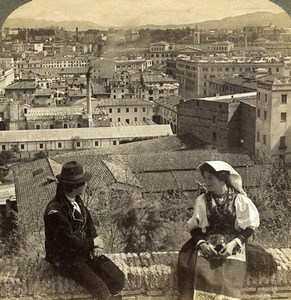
(71, 239)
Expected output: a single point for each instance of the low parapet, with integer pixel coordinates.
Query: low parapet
(149, 276)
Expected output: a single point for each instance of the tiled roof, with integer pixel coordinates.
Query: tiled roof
(169, 101)
(54, 111)
(121, 102)
(159, 144)
(183, 160)
(21, 85)
(230, 98)
(157, 78)
(33, 192)
(39, 177)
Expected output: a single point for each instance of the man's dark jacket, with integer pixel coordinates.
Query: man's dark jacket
(68, 234)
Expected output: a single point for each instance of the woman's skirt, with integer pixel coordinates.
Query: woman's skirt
(213, 277)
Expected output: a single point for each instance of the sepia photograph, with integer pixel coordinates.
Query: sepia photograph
(145, 149)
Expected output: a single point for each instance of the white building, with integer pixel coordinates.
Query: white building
(77, 138)
(273, 122)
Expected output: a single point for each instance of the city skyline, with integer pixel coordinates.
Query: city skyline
(141, 12)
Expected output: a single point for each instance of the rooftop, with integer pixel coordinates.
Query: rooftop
(94, 133)
(230, 98)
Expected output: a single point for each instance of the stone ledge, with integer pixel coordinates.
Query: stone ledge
(149, 276)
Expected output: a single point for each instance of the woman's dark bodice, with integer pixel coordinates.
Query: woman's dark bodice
(221, 215)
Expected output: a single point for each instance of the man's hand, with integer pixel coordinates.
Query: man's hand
(98, 242)
(97, 252)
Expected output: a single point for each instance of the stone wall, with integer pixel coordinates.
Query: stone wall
(150, 276)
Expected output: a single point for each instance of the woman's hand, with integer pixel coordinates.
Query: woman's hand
(207, 249)
(227, 250)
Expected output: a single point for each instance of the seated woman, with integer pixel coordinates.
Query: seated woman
(212, 264)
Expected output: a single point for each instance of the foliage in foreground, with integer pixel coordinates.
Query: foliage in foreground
(132, 222)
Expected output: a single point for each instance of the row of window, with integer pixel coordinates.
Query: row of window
(282, 141)
(135, 109)
(59, 145)
(283, 115)
(51, 126)
(284, 97)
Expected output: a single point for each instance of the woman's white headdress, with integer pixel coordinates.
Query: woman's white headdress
(234, 178)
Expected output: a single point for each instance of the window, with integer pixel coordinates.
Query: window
(258, 96)
(258, 136)
(79, 125)
(118, 119)
(37, 126)
(264, 139)
(143, 109)
(114, 143)
(127, 109)
(25, 110)
(282, 142)
(22, 147)
(51, 126)
(265, 115)
(3, 147)
(118, 110)
(110, 119)
(258, 113)
(110, 110)
(66, 125)
(213, 120)
(127, 121)
(78, 144)
(283, 117)
(135, 119)
(41, 146)
(135, 109)
(266, 98)
(60, 145)
(284, 99)
(214, 136)
(96, 144)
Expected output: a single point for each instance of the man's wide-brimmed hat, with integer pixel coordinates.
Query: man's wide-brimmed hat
(73, 173)
(234, 178)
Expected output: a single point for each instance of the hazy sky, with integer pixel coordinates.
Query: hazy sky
(140, 12)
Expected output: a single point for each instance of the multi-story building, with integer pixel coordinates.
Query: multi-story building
(155, 85)
(232, 85)
(214, 120)
(193, 74)
(6, 78)
(124, 111)
(273, 122)
(130, 65)
(165, 110)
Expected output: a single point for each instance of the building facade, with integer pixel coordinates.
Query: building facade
(273, 122)
(214, 120)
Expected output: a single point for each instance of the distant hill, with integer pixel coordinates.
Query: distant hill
(68, 25)
(252, 19)
(258, 18)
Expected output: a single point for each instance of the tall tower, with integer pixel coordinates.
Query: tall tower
(196, 36)
(273, 123)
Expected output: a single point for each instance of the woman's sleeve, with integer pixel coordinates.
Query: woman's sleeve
(247, 215)
(199, 217)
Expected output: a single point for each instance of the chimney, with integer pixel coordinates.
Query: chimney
(77, 34)
(89, 104)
